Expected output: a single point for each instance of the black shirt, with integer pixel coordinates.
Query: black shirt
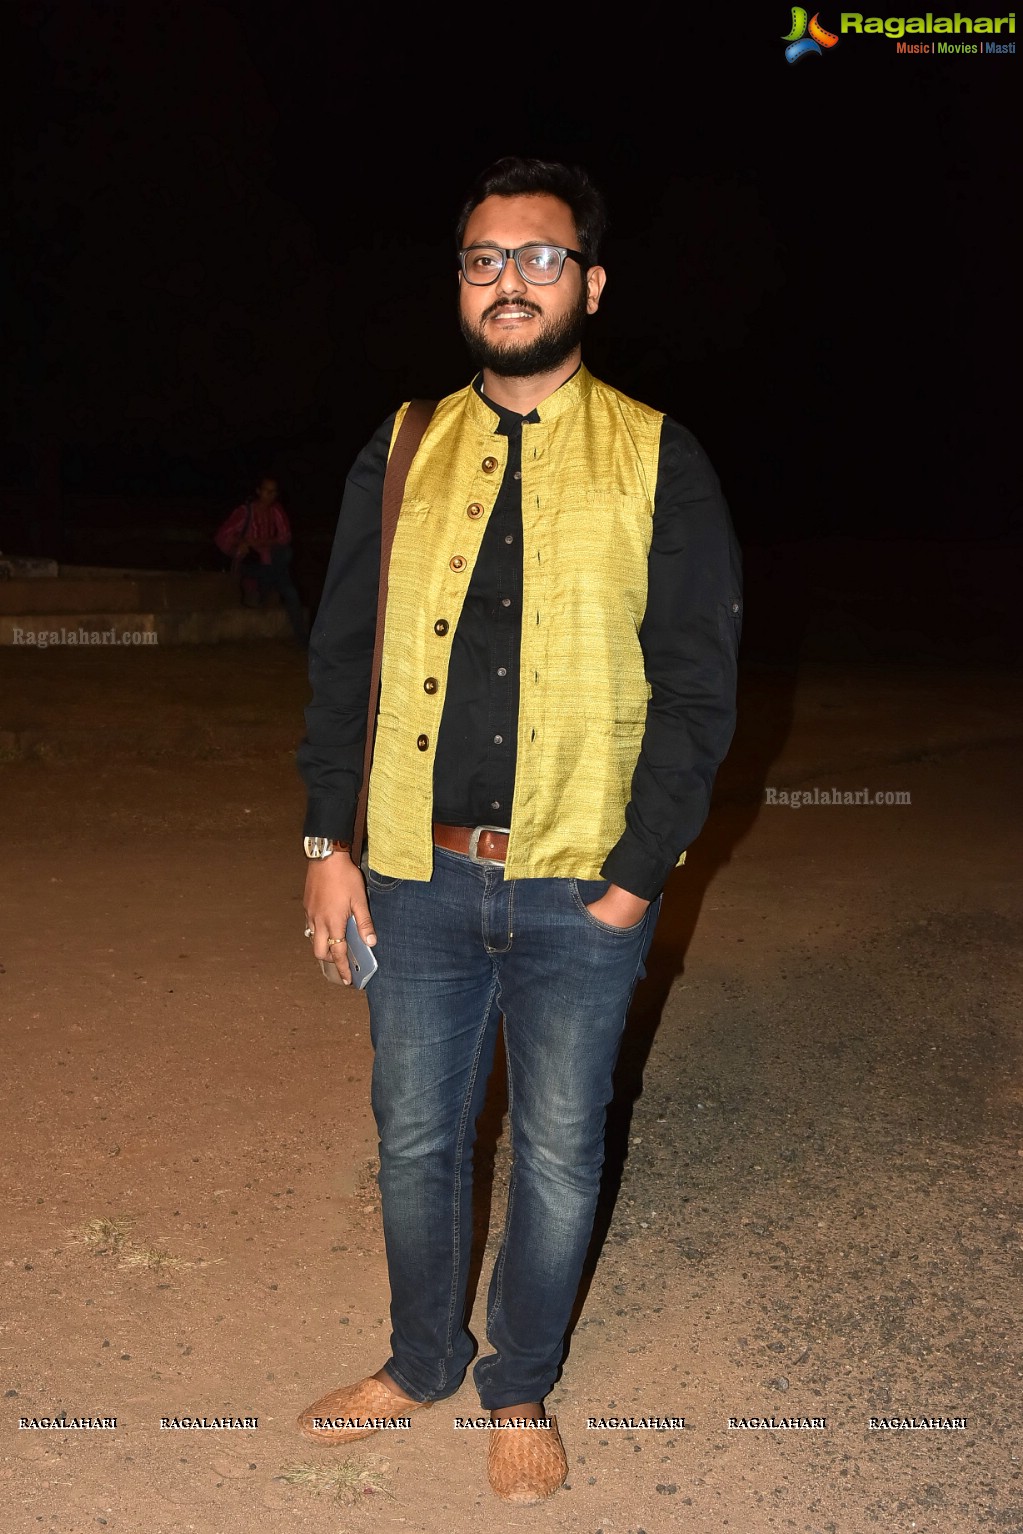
(474, 768)
(689, 637)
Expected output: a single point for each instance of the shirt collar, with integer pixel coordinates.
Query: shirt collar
(507, 420)
(493, 417)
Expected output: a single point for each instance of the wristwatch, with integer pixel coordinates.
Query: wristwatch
(323, 847)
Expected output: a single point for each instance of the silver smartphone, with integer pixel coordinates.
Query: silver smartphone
(361, 960)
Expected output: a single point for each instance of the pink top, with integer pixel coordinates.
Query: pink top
(268, 527)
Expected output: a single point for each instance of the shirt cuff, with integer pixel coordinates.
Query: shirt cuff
(632, 869)
(333, 818)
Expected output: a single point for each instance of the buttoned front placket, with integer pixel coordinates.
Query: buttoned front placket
(474, 771)
(504, 632)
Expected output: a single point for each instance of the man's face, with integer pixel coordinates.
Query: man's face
(267, 492)
(514, 328)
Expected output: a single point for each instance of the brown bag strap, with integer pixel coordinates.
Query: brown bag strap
(410, 434)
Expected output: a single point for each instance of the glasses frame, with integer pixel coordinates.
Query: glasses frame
(514, 254)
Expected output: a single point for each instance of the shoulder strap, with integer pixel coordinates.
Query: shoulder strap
(417, 418)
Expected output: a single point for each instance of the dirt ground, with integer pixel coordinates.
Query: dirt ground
(814, 1163)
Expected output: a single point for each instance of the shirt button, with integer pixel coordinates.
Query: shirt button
(498, 739)
(502, 670)
(430, 685)
(474, 511)
(517, 474)
(441, 627)
(488, 465)
(509, 538)
(423, 742)
(456, 562)
(506, 601)
(735, 607)
(495, 804)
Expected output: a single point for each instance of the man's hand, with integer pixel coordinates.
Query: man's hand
(618, 907)
(335, 890)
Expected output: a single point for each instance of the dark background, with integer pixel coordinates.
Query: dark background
(229, 249)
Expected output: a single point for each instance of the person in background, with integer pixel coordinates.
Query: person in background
(256, 537)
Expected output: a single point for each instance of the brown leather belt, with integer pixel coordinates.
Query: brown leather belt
(481, 843)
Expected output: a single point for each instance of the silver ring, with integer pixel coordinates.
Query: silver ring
(308, 932)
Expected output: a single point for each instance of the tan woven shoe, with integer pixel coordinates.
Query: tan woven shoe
(354, 1411)
(526, 1464)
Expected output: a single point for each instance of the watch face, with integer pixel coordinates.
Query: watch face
(315, 846)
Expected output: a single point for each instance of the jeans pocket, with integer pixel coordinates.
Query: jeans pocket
(585, 892)
(377, 881)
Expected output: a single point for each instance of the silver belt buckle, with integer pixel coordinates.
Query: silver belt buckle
(474, 844)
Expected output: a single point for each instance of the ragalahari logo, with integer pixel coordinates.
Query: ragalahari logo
(798, 41)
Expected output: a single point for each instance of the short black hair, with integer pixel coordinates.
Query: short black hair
(515, 176)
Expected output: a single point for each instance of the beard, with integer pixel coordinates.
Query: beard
(552, 343)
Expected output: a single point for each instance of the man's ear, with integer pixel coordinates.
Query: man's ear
(595, 280)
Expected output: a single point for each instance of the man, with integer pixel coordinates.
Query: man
(256, 537)
(557, 692)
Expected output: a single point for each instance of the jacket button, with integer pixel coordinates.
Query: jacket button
(456, 562)
(431, 684)
(423, 742)
(474, 511)
(441, 627)
(488, 465)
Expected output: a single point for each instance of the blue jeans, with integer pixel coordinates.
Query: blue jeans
(455, 954)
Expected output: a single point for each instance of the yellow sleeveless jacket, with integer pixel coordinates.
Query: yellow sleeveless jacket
(589, 472)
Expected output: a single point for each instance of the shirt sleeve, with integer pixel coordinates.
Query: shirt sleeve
(330, 757)
(229, 533)
(690, 641)
(280, 532)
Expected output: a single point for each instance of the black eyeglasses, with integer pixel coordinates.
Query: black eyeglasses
(537, 264)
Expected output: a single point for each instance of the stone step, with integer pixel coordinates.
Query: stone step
(92, 589)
